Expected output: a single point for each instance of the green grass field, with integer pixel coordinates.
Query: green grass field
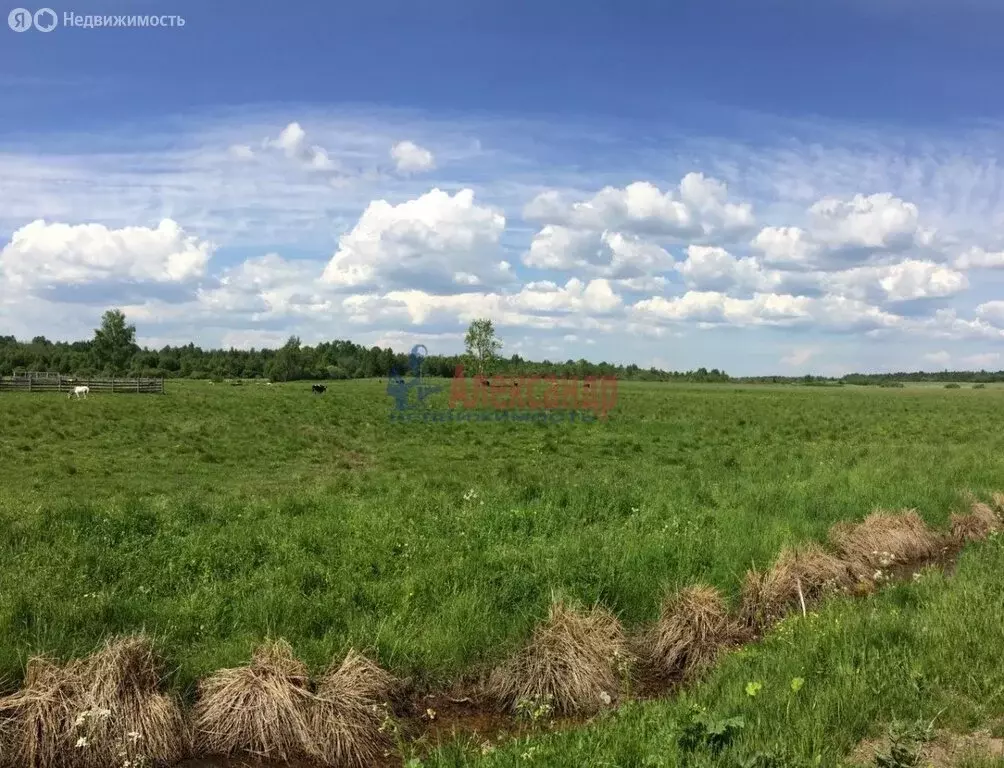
(214, 516)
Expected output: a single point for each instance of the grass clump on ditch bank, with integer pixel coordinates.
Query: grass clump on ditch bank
(260, 710)
(977, 524)
(347, 719)
(104, 711)
(693, 627)
(813, 688)
(885, 538)
(799, 577)
(576, 661)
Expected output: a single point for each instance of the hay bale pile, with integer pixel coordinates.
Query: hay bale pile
(574, 660)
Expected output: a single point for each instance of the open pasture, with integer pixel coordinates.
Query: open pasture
(214, 516)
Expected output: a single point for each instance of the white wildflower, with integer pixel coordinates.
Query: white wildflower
(82, 742)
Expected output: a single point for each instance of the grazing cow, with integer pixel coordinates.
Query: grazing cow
(78, 391)
(318, 389)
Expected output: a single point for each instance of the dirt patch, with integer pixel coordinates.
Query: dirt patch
(945, 750)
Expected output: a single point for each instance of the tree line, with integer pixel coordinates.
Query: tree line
(113, 352)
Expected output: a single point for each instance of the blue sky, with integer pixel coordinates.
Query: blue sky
(763, 187)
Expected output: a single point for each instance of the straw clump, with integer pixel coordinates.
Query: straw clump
(36, 722)
(261, 709)
(800, 575)
(884, 538)
(348, 716)
(575, 661)
(104, 711)
(977, 524)
(694, 624)
(127, 720)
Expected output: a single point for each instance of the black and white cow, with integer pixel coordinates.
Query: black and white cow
(319, 389)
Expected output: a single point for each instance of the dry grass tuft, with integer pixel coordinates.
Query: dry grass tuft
(976, 525)
(127, 720)
(346, 718)
(104, 711)
(693, 626)
(37, 722)
(800, 574)
(261, 709)
(884, 538)
(998, 501)
(575, 661)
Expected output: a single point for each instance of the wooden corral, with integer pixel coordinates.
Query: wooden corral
(54, 382)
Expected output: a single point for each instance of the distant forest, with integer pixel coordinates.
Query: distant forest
(347, 360)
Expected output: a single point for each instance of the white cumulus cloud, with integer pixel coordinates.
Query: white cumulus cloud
(428, 240)
(766, 309)
(292, 141)
(411, 158)
(906, 281)
(699, 206)
(991, 312)
(978, 258)
(43, 254)
(713, 268)
(842, 232)
(611, 254)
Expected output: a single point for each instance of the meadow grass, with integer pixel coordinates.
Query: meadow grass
(926, 651)
(215, 516)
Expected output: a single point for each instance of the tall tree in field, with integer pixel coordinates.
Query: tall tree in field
(114, 342)
(482, 344)
(287, 363)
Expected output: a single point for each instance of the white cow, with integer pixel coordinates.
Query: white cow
(78, 391)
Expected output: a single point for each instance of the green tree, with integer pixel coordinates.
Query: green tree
(287, 363)
(114, 342)
(482, 344)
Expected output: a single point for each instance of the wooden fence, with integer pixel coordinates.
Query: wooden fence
(43, 382)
